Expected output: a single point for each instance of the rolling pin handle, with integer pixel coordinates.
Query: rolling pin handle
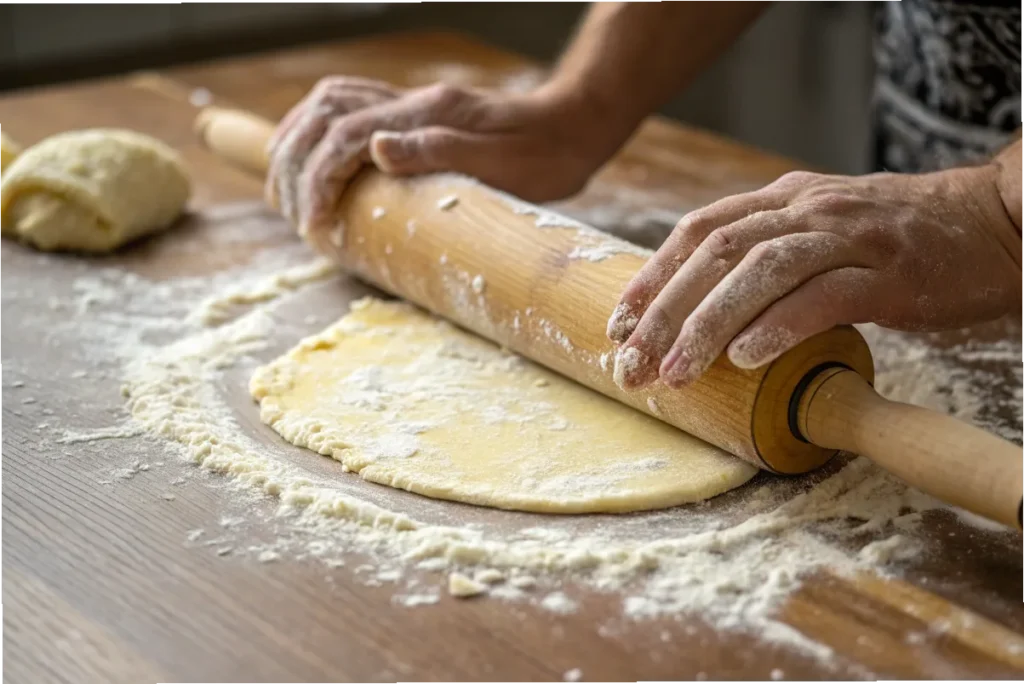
(939, 454)
(238, 136)
(801, 389)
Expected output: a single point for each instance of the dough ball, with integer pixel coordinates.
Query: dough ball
(8, 151)
(92, 190)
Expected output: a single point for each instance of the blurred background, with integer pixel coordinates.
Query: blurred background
(798, 83)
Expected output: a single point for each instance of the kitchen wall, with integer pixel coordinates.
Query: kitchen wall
(798, 82)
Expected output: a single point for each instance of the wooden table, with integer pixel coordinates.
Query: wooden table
(99, 586)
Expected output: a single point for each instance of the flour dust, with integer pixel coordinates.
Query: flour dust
(184, 350)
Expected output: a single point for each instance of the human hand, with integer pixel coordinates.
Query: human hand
(755, 274)
(540, 146)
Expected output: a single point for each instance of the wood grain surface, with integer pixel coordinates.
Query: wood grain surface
(100, 584)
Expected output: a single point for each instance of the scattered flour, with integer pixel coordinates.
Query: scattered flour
(112, 432)
(413, 600)
(461, 586)
(600, 252)
(218, 308)
(478, 284)
(557, 602)
(447, 202)
(523, 582)
(268, 556)
(489, 576)
(179, 350)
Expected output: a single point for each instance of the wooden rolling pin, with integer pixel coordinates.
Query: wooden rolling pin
(544, 286)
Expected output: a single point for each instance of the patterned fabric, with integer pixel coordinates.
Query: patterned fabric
(947, 89)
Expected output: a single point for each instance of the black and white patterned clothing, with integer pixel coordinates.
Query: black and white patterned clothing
(947, 86)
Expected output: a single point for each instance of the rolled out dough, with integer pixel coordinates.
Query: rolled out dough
(410, 401)
(92, 190)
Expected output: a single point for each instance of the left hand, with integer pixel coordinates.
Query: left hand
(756, 274)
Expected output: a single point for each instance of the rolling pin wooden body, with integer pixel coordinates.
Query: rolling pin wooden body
(544, 286)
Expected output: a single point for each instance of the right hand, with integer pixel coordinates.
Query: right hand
(540, 146)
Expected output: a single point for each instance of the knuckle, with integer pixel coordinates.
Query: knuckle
(690, 231)
(445, 95)
(827, 198)
(341, 134)
(721, 244)
(797, 178)
(765, 253)
(325, 86)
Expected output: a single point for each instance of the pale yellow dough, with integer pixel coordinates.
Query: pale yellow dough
(8, 151)
(410, 401)
(92, 190)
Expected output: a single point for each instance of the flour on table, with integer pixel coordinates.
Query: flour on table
(732, 562)
(558, 602)
(461, 586)
(478, 284)
(218, 308)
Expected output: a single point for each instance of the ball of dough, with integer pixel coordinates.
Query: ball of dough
(92, 190)
(8, 151)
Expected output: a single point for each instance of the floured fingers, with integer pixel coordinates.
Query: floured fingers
(302, 130)
(688, 235)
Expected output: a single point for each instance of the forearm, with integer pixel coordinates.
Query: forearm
(1008, 181)
(628, 59)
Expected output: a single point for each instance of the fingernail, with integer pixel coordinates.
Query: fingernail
(675, 368)
(622, 323)
(755, 349)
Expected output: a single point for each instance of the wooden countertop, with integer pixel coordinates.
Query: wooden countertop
(99, 586)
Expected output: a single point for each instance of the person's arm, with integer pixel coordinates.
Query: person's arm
(755, 274)
(624, 62)
(628, 59)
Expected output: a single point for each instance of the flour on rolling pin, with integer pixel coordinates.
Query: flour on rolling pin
(595, 245)
(447, 202)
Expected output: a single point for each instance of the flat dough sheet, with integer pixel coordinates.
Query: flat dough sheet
(410, 401)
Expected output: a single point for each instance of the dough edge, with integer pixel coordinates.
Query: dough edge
(274, 379)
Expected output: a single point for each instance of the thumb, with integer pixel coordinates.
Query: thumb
(426, 150)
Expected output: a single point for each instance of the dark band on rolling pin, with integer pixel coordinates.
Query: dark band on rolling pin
(798, 393)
